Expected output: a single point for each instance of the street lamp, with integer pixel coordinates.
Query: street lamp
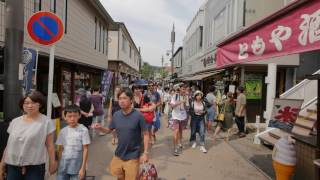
(173, 39)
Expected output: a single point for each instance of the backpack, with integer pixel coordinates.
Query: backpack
(147, 171)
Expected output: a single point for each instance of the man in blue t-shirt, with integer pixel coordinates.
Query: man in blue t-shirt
(128, 123)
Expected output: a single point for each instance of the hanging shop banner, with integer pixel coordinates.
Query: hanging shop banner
(29, 60)
(106, 82)
(284, 113)
(253, 86)
(295, 32)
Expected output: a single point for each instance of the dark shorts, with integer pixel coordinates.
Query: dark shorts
(34, 172)
(176, 124)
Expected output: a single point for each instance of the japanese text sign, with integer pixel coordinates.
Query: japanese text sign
(296, 32)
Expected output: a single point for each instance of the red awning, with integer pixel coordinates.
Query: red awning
(294, 29)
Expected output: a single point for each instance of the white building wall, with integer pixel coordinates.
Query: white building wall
(113, 45)
(78, 44)
(124, 51)
(192, 44)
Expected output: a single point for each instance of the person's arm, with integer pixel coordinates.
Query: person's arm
(152, 107)
(110, 111)
(51, 152)
(84, 161)
(103, 129)
(242, 106)
(3, 165)
(145, 155)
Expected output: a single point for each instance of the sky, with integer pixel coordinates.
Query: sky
(149, 23)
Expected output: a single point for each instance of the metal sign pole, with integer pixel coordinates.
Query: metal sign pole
(50, 81)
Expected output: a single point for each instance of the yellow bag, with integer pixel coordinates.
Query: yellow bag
(220, 117)
(221, 114)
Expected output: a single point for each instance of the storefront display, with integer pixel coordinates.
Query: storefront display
(66, 88)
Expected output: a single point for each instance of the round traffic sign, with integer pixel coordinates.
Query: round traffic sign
(45, 28)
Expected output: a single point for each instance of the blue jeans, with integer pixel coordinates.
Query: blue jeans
(62, 176)
(36, 172)
(197, 126)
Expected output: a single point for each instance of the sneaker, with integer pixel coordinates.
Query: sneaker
(180, 146)
(242, 135)
(194, 145)
(102, 134)
(175, 152)
(203, 149)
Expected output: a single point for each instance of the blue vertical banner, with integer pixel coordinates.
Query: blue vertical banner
(29, 60)
(106, 81)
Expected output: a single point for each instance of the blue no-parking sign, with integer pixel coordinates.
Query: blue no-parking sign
(45, 28)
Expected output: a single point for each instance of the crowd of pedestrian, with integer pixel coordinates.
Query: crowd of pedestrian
(133, 120)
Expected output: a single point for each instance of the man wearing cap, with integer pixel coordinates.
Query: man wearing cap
(241, 111)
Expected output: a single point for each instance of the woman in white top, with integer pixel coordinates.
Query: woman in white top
(30, 139)
(197, 111)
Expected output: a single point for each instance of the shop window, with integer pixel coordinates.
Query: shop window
(103, 39)
(95, 32)
(37, 5)
(81, 83)
(53, 6)
(99, 40)
(65, 15)
(66, 88)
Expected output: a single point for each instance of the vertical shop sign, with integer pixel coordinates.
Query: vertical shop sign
(106, 82)
(29, 59)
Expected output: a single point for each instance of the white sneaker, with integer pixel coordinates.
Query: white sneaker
(194, 145)
(180, 146)
(203, 149)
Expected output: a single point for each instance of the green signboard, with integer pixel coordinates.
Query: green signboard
(253, 86)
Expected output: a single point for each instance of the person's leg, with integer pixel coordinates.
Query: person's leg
(131, 169)
(193, 131)
(242, 124)
(116, 168)
(13, 173)
(75, 177)
(35, 172)
(202, 132)
(238, 124)
(175, 127)
(216, 132)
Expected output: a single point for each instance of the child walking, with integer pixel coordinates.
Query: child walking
(74, 140)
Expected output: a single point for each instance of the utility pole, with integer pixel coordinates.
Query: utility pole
(14, 32)
(173, 39)
(14, 35)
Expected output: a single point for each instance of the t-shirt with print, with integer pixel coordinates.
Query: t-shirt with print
(72, 140)
(26, 143)
(241, 100)
(129, 128)
(179, 112)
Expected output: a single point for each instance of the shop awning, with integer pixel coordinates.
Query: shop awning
(202, 76)
(294, 29)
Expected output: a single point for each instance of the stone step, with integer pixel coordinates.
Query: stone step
(312, 111)
(277, 133)
(268, 139)
(305, 123)
(301, 131)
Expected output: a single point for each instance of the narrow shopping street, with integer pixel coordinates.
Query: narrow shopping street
(221, 162)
